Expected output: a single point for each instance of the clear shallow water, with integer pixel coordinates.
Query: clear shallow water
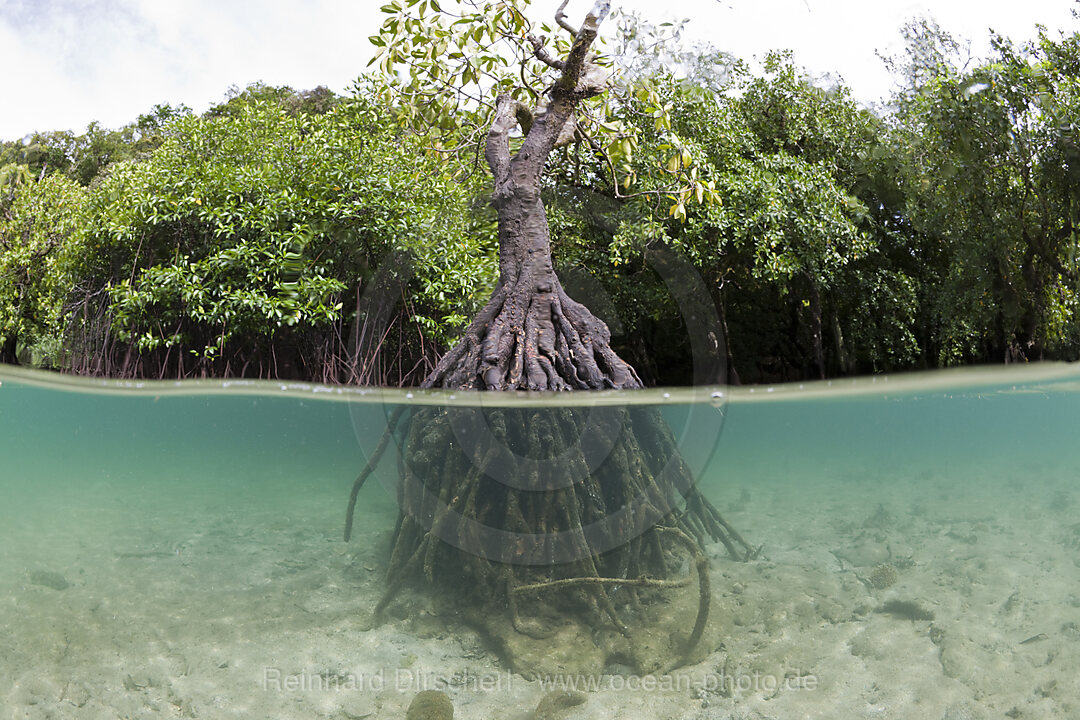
(224, 433)
(196, 529)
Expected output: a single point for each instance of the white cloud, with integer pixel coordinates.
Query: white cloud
(844, 37)
(69, 62)
(110, 61)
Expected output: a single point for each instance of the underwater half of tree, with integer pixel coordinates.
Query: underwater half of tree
(554, 530)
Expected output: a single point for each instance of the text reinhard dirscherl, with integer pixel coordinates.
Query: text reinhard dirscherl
(402, 680)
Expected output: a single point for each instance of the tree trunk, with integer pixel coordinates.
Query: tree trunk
(532, 335)
(816, 329)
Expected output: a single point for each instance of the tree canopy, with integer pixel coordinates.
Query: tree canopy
(833, 239)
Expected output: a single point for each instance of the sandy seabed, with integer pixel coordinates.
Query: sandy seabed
(883, 593)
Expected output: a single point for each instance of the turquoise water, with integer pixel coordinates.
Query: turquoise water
(165, 546)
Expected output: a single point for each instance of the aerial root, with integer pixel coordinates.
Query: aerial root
(369, 467)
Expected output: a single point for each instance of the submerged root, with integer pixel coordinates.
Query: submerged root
(701, 568)
(503, 504)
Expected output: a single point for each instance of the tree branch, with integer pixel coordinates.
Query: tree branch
(574, 83)
(497, 152)
(508, 112)
(576, 60)
(606, 159)
(543, 55)
(560, 19)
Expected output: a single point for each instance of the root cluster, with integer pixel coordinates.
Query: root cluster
(504, 504)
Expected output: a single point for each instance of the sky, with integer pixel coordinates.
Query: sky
(69, 62)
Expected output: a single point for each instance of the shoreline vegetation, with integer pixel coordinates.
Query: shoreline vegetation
(309, 236)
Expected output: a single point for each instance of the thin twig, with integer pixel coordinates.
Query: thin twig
(560, 18)
(543, 55)
(582, 581)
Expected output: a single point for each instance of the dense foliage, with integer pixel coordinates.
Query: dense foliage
(311, 235)
(245, 244)
(841, 240)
